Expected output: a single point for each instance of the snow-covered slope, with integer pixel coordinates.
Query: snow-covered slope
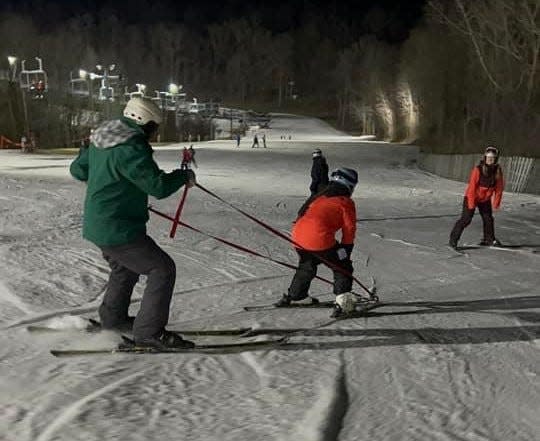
(454, 358)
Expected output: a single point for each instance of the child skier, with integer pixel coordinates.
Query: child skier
(319, 219)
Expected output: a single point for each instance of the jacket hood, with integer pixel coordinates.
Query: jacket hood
(114, 132)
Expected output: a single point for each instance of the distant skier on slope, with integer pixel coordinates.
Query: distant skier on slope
(319, 172)
(484, 191)
(319, 219)
(121, 173)
(188, 158)
(255, 141)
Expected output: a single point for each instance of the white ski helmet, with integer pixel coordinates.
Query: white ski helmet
(142, 111)
(347, 302)
(492, 151)
(345, 176)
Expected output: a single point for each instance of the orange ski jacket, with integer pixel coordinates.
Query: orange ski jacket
(315, 230)
(481, 190)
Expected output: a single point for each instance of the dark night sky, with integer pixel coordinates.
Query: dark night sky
(390, 20)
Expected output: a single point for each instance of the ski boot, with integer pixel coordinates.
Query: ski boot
(490, 243)
(284, 301)
(452, 243)
(337, 312)
(166, 340)
(345, 305)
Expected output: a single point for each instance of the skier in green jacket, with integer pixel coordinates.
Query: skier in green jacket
(120, 174)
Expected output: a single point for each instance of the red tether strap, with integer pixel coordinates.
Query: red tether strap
(176, 219)
(331, 265)
(231, 244)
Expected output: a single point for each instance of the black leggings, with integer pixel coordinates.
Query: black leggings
(307, 270)
(466, 217)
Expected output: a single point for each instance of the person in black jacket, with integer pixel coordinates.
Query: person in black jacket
(319, 172)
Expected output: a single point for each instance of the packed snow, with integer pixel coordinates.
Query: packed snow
(455, 356)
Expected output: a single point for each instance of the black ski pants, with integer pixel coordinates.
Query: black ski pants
(307, 270)
(466, 217)
(127, 263)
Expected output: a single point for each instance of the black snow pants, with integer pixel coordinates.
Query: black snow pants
(127, 263)
(466, 217)
(307, 270)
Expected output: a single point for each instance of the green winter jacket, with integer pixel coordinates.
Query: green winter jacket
(121, 173)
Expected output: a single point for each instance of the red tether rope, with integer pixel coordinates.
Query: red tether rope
(231, 244)
(331, 265)
(176, 219)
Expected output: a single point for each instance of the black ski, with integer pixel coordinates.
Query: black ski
(362, 302)
(95, 326)
(221, 348)
(314, 303)
(92, 326)
(362, 311)
(515, 248)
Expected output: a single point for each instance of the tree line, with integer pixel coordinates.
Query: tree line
(467, 75)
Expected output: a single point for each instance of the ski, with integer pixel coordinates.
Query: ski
(313, 304)
(512, 248)
(95, 326)
(363, 310)
(92, 326)
(292, 305)
(221, 348)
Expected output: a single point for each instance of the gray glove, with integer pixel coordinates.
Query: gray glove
(344, 251)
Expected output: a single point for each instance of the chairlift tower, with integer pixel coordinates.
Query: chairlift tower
(106, 91)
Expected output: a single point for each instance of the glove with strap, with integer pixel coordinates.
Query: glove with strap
(344, 251)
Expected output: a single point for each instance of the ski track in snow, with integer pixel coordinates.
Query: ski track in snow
(7, 296)
(74, 409)
(460, 365)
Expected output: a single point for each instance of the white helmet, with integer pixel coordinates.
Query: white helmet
(142, 111)
(347, 302)
(492, 151)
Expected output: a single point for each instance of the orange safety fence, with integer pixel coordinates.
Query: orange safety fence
(6, 143)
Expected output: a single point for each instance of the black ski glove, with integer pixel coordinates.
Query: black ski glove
(344, 251)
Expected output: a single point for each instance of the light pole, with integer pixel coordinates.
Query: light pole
(13, 67)
(291, 86)
(88, 77)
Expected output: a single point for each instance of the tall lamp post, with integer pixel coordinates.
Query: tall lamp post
(13, 67)
(13, 76)
(88, 77)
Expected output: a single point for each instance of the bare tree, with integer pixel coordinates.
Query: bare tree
(505, 36)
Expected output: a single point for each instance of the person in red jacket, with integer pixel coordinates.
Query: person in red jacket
(319, 219)
(484, 191)
(187, 157)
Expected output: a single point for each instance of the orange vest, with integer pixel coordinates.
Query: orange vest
(316, 229)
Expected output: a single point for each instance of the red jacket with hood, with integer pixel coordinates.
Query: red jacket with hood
(315, 230)
(482, 188)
